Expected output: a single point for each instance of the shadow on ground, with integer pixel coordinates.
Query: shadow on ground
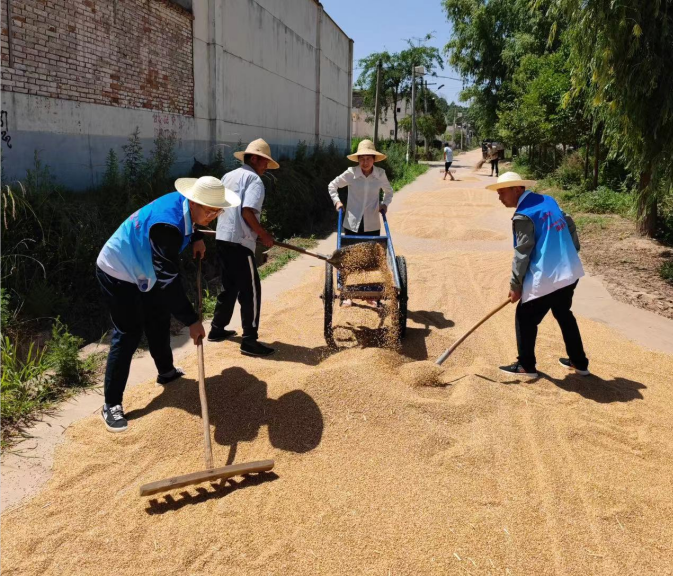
(217, 490)
(239, 407)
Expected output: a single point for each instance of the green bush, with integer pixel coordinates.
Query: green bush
(666, 271)
(23, 384)
(603, 200)
(62, 356)
(571, 170)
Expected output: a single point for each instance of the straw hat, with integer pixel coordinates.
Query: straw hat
(259, 148)
(509, 179)
(366, 148)
(207, 191)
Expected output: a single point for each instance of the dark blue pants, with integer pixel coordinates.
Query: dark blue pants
(133, 312)
(528, 318)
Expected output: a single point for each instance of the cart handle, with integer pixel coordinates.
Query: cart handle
(339, 224)
(392, 250)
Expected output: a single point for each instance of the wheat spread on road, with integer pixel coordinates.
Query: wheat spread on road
(466, 473)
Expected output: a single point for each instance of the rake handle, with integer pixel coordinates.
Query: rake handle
(301, 250)
(208, 449)
(284, 245)
(460, 340)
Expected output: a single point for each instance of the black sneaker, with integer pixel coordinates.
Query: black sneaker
(518, 370)
(114, 418)
(256, 348)
(566, 363)
(219, 334)
(163, 379)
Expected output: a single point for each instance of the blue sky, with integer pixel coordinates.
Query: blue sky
(376, 25)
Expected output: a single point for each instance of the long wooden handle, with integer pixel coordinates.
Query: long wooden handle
(448, 352)
(284, 245)
(301, 250)
(208, 449)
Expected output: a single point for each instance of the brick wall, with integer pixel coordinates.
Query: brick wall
(127, 53)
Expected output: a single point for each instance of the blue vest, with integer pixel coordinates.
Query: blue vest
(554, 262)
(127, 255)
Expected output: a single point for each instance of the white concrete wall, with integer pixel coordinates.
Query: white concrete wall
(363, 129)
(276, 69)
(74, 138)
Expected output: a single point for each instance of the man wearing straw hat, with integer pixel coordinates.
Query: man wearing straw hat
(237, 233)
(138, 271)
(364, 181)
(545, 271)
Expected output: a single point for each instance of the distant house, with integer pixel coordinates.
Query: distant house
(361, 128)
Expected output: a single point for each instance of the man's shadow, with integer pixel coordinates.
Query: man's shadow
(595, 388)
(294, 353)
(413, 344)
(238, 407)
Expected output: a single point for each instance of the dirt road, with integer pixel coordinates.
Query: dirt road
(483, 475)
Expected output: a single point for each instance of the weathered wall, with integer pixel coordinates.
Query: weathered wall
(277, 69)
(133, 54)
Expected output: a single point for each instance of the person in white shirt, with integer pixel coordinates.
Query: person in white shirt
(365, 182)
(237, 234)
(448, 160)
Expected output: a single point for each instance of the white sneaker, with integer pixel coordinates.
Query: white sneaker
(566, 363)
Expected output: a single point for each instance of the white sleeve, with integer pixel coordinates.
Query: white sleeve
(254, 195)
(386, 187)
(339, 182)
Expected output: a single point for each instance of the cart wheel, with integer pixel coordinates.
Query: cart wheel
(403, 295)
(328, 300)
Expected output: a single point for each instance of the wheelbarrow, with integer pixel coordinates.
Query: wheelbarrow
(341, 292)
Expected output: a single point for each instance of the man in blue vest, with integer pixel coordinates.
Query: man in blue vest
(139, 274)
(545, 272)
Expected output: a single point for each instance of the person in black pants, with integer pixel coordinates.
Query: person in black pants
(237, 233)
(545, 271)
(139, 274)
(528, 318)
(494, 158)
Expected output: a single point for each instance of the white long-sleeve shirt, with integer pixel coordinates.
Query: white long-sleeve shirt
(363, 196)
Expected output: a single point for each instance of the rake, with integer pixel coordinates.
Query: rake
(210, 473)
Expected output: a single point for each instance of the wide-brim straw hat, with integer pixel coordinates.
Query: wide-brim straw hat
(207, 191)
(259, 148)
(366, 148)
(509, 179)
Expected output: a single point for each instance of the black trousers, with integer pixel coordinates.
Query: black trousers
(494, 166)
(528, 318)
(240, 281)
(361, 231)
(133, 312)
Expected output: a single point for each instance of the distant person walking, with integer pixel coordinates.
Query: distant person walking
(493, 157)
(448, 160)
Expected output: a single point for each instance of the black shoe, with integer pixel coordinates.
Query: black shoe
(518, 370)
(255, 348)
(566, 363)
(114, 418)
(219, 334)
(170, 376)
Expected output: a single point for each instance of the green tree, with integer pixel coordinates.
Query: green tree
(625, 70)
(396, 76)
(488, 40)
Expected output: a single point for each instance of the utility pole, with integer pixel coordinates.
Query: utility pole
(413, 112)
(453, 137)
(425, 108)
(376, 106)
(460, 115)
